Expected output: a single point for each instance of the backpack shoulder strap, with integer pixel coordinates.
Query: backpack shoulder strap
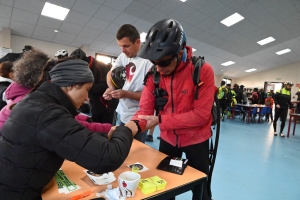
(198, 63)
(151, 71)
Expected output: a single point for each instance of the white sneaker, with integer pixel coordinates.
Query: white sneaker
(275, 133)
(282, 135)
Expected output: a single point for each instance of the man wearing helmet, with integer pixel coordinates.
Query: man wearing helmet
(282, 102)
(61, 54)
(184, 122)
(136, 68)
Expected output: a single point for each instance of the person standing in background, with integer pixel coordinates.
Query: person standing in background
(222, 96)
(282, 104)
(136, 68)
(102, 110)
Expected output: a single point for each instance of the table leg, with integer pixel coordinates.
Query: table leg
(197, 192)
(290, 120)
(249, 115)
(295, 122)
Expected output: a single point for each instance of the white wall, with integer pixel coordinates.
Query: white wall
(280, 74)
(18, 43)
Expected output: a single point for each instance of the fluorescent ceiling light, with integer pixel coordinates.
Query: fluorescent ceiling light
(232, 19)
(194, 49)
(143, 36)
(54, 11)
(251, 70)
(283, 51)
(104, 59)
(228, 63)
(56, 31)
(183, 0)
(266, 41)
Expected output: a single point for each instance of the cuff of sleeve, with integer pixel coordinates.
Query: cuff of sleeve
(138, 126)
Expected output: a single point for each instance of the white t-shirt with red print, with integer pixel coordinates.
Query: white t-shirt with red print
(136, 69)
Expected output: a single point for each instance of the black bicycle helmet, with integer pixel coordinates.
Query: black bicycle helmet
(78, 53)
(118, 77)
(164, 38)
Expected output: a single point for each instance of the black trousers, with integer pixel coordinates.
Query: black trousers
(282, 114)
(197, 155)
(223, 106)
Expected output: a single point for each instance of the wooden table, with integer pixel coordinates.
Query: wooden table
(295, 117)
(176, 184)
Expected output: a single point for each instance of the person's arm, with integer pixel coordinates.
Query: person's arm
(119, 94)
(62, 134)
(85, 121)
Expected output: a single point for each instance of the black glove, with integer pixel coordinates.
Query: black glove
(161, 98)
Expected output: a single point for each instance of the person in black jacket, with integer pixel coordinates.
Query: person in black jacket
(102, 110)
(41, 132)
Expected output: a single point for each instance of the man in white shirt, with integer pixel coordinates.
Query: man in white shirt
(136, 68)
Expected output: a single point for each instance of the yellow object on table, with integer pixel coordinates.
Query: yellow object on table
(149, 185)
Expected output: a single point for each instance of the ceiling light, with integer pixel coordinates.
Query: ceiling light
(232, 19)
(283, 51)
(56, 31)
(228, 63)
(54, 11)
(251, 70)
(221, 70)
(143, 36)
(183, 0)
(104, 59)
(266, 41)
(194, 49)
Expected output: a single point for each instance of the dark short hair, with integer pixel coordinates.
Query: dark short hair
(129, 31)
(6, 68)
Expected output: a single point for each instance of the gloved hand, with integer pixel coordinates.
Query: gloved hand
(161, 98)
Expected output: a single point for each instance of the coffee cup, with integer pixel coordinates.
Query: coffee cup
(128, 183)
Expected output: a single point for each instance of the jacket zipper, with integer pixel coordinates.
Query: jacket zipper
(173, 106)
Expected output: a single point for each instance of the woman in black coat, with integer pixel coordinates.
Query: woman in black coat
(41, 132)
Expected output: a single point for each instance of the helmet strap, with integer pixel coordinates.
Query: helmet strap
(184, 55)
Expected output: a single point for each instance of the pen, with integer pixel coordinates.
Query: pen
(80, 196)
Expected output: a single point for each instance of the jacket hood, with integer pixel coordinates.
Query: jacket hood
(15, 90)
(189, 55)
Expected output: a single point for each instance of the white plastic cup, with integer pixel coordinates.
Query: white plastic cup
(128, 183)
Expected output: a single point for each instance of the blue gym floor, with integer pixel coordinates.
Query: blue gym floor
(253, 164)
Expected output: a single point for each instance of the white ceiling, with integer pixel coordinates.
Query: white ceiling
(95, 23)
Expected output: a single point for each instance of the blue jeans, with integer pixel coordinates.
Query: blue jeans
(140, 136)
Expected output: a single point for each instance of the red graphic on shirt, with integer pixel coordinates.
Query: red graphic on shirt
(130, 70)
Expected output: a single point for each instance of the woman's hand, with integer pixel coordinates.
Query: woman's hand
(112, 129)
(152, 120)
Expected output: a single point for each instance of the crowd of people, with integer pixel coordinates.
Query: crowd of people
(42, 120)
(280, 100)
(43, 101)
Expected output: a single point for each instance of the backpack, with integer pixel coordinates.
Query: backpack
(197, 62)
(254, 96)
